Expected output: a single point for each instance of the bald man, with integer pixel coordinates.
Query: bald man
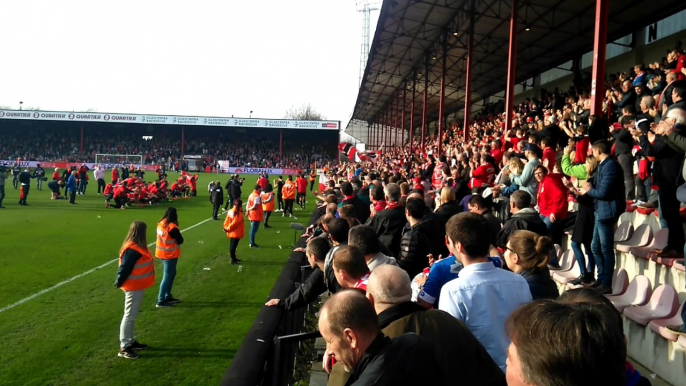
(349, 326)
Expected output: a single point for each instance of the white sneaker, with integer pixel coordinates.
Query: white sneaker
(638, 203)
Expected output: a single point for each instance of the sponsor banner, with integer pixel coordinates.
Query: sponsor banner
(169, 120)
(64, 165)
(192, 156)
(225, 168)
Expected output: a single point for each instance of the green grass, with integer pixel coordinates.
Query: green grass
(69, 336)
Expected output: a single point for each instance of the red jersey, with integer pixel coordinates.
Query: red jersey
(548, 159)
(581, 150)
(483, 176)
(437, 177)
(108, 189)
(115, 175)
(302, 185)
(56, 176)
(119, 191)
(497, 155)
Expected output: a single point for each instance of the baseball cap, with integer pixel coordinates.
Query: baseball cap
(529, 120)
(531, 147)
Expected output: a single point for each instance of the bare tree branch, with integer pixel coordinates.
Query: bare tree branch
(304, 113)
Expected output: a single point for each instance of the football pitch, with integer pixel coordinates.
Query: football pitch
(60, 312)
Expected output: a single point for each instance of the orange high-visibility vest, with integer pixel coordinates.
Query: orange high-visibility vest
(166, 246)
(233, 225)
(267, 201)
(254, 214)
(143, 274)
(288, 190)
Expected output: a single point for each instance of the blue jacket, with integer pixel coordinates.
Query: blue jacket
(608, 191)
(71, 184)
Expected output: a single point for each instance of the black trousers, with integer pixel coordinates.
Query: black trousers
(232, 248)
(288, 208)
(626, 161)
(311, 185)
(2, 193)
(72, 197)
(266, 218)
(279, 200)
(669, 211)
(24, 194)
(229, 203)
(101, 185)
(215, 210)
(15, 180)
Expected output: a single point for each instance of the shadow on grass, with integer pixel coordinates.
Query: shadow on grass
(163, 352)
(227, 304)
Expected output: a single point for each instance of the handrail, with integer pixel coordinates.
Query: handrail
(248, 365)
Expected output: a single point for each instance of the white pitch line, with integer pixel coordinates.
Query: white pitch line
(60, 284)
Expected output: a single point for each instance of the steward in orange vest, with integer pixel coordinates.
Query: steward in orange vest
(136, 273)
(288, 192)
(313, 177)
(255, 214)
(267, 198)
(234, 228)
(168, 249)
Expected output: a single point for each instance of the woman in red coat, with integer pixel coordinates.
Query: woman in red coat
(552, 203)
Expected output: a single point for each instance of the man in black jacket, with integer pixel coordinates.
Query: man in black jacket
(477, 204)
(414, 244)
(361, 209)
(389, 222)
(236, 191)
(624, 142)
(523, 217)
(315, 285)
(338, 234)
(667, 176)
(350, 328)
(217, 199)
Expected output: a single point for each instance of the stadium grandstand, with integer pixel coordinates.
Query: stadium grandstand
(155, 140)
(561, 122)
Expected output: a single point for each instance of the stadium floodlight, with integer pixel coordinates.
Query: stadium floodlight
(112, 160)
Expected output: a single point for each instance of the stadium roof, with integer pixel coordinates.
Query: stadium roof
(409, 33)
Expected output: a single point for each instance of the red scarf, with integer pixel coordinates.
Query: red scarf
(393, 205)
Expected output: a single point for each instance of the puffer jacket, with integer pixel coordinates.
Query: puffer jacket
(414, 248)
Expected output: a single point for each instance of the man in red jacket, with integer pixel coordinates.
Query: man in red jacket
(301, 184)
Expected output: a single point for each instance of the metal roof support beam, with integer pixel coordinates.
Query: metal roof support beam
(599, 47)
(369, 136)
(468, 73)
(396, 110)
(441, 101)
(511, 67)
(414, 102)
(425, 103)
(402, 122)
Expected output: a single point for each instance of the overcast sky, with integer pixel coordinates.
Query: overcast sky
(216, 58)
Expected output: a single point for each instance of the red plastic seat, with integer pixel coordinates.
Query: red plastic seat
(637, 294)
(641, 237)
(566, 262)
(620, 281)
(663, 303)
(565, 277)
(645, 211)
(659, 326)
(666, 261)
(659, 241)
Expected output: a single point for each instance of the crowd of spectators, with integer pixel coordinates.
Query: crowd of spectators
(160, 146)
(456, 245)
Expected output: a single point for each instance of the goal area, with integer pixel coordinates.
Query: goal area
(112, 160)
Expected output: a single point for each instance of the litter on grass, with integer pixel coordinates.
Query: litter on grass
(278, 231)
(280, 247)
(207, 269)
(240, 268)
(201, 242)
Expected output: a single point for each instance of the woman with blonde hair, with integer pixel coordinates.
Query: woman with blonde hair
(582, 233)
(527, 254)
(448, 204)
(136, 274)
